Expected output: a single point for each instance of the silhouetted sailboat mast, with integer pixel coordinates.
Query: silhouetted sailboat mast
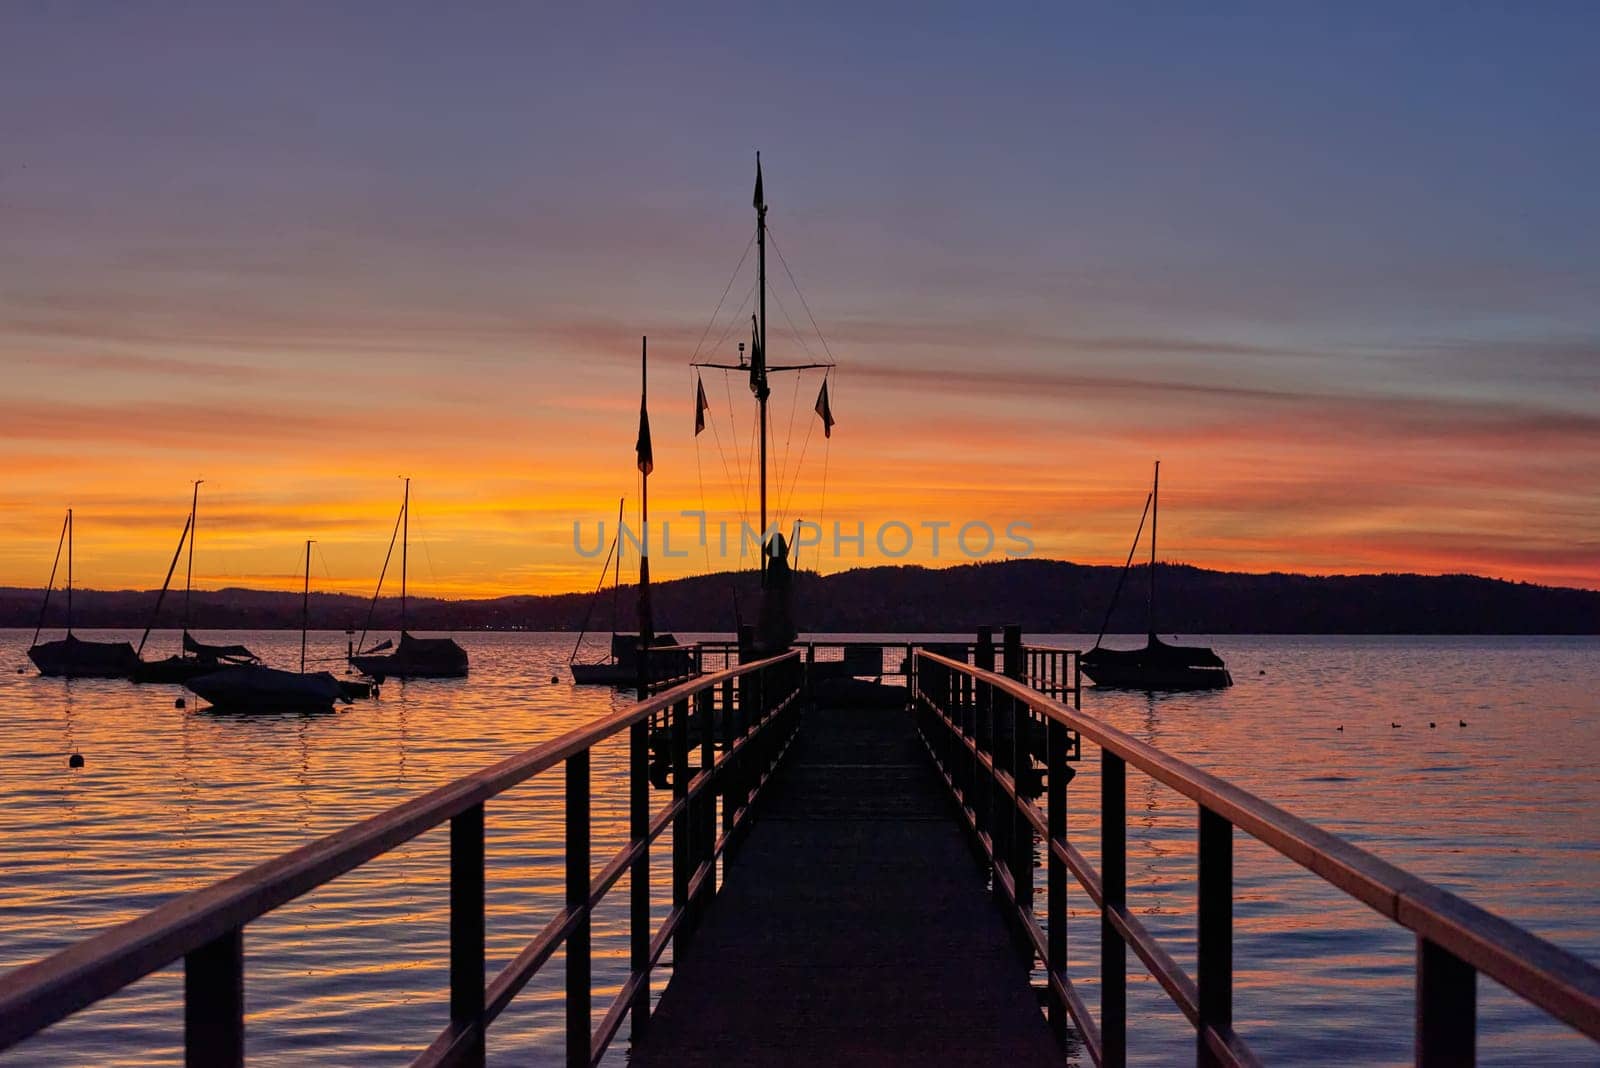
(71, 656)
(1158, 666)
(413, 658)
(758, 367)
(193, 657)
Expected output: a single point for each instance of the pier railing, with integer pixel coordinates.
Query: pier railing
(755, 703)
(983, 728)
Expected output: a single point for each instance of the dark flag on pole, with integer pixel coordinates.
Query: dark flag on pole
(758, 361)
(700, 406)
(760, 201)
(825, 410)
(647, 458)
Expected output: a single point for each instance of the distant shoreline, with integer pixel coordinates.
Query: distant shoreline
(1043, 596)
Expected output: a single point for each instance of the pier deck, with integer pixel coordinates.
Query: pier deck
(854, 926)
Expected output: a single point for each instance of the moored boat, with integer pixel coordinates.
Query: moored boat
(1158, 666)
(254, 688)
(73, 657)
(194, 657)
(412, 657)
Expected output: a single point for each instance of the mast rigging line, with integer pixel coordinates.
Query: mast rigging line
(377, 592)
(51, 584)
(599, 586)
(801, 293)
(725, 289)
(1112, 607)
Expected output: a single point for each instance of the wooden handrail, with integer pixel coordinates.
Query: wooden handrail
(39, 994)
(1556, 981)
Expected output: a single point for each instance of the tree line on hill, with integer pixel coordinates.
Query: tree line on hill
(1044, 596)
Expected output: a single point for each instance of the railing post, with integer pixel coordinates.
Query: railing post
(1058, 775)
(983, 652)
(580, 1029)
(682, 854)
(467, 929)
(639, 873)
(213, 1003)
(1214, 934)
(1114, 884)
(1012, 667)
(1021, 862)
(706, 807)
(1447, 1008)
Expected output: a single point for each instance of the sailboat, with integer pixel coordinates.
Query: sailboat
(775, 629)
(412, 658)
(194, 657)
(72, 657)
(254, 688)
(1158, 666)
(621, 667)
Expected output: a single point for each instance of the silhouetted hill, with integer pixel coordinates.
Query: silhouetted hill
(1042, 595)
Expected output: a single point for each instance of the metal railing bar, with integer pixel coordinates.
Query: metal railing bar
(1228, 1048)
(611, 1023)
(515, 975)
(1183, 990)
(39, 994)
(1559, 982)
(454, 1045)
(1081, 869)
(663, 936)
(1082, 1019)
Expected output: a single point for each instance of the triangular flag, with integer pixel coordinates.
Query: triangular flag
(647, 457)
(825, 410)
(700, 406)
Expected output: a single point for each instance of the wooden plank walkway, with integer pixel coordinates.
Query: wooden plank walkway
(854, 927)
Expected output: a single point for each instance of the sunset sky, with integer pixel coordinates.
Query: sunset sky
(1338, 270)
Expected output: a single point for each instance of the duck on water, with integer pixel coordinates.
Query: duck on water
(1158, 666)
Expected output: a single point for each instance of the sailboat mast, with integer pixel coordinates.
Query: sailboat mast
(1155, 508)
(188, 572)
(305, 609)
(69, 572)
(405, 540)
(761, 384)
(646, 622)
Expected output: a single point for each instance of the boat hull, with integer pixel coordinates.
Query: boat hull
(263, 689)
(178, 669)
(622, 676)
(1158, 666)
(1158, 678)
(415, 658)
(74, 658)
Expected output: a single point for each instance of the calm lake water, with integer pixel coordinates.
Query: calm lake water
(1504, 810)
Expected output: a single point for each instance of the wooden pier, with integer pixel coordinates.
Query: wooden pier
(853, 882)
(853, 926)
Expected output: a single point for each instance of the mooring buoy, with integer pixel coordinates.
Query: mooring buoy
(1431, 724)
(555, 678)
(75, 760)
(179, 703)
